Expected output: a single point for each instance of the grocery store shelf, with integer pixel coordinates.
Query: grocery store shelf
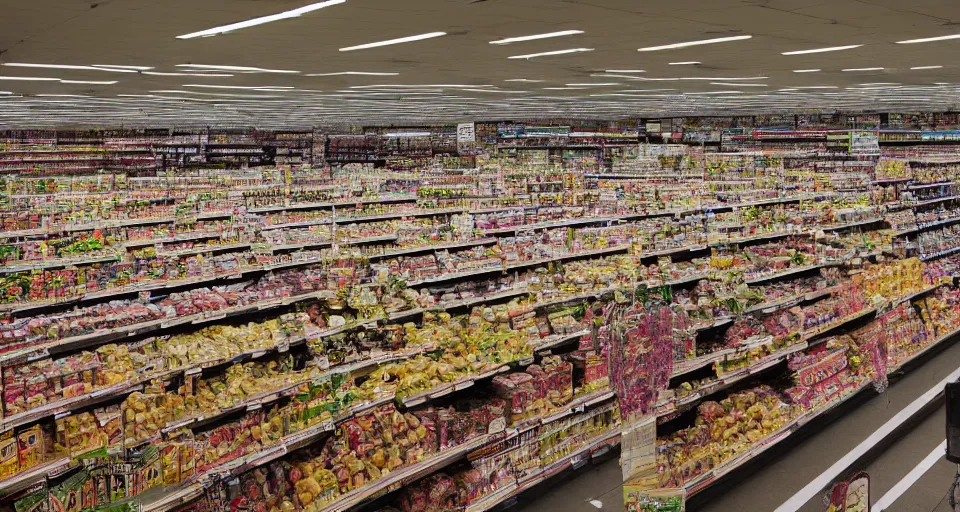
(332, 242)
(551, 342)
(711, 477)
(668, 406)
(939, 254)
(820, 331)
(575, 460)
(920, 353)
(773, 306)
(518, 265)
(521, 228)
(340, 204)
(929, 185)
(483, 299)
(891, 180)
(757, 238)
(917, 294)
(854, 224)
(935, 201)
(445, 389)
(33, 476)
(943, 222)
(784, 273)
(335, 219)
(162, 499)
(204, 250)
(714, 323)
(409, 474)
(105, 394)
(433, 248)
(170, 239)
(905, 231)
(57, 263)
(152, 326)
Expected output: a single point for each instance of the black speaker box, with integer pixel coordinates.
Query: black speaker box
(952, 394)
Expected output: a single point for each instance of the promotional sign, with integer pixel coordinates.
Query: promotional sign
(865, 142)
(851, 495)
(466, 133)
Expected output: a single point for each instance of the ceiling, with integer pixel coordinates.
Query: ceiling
(742, 76)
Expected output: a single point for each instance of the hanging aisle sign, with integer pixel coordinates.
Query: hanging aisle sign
(467, 139)
(466, 133)
(865, 142)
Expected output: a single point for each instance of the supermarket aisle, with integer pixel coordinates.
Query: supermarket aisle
(781, 476)
(926, 494)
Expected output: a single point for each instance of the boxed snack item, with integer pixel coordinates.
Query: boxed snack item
(30, 447)
(80, 433)
(554, 380)
(518, 391)
(9, 462)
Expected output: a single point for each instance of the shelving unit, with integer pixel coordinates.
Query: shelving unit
(392, 284)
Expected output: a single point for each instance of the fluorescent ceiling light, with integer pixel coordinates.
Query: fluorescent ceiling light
(364, 73)
(925, 67)
(624, 71)
(46, 66)
(693, 43)
(555, 52)
(135, 68)
(225, 95)
(5, 92)
(407, 134)
(91, 82)
(261, 20)
(598, 84)
(400, 40)
(815, 87)
(806, 70)
(882, 83)
(726, 79)
(632, 95)
(522, 80)
(738, 84)
(449, 86)
(495, 90)
(687, 63)
(158, 73)
(713, 92)
(823, 50)
(929, 39)
(613, 75)
(237, 86)
(62, 96)
(236, 68)
(562, 88)
(64, 66)
(863, 69)
(30, 78)
(537, 36)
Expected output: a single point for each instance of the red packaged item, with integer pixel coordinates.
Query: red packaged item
(518, 391)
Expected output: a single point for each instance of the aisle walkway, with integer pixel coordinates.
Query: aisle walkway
(778, 480)
(926, 494)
